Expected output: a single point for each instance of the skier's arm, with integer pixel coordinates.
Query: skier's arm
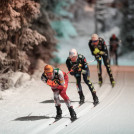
(43, 78)
(104, 47)
(69, 66)
(91, 48)
(84, 65)
(47, 81)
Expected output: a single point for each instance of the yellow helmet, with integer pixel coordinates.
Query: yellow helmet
(48, 69)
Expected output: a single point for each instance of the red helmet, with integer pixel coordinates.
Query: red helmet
(114, 36)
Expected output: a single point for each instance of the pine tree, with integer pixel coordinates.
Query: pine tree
(127, 29)
(22, 42)
(100, 11)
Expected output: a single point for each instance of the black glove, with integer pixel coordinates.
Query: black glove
(77, 68)
(56, 81)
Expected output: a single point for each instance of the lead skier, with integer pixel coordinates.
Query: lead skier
(58, 81)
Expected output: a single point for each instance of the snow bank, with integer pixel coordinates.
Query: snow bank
(18, 78)
(13, 79)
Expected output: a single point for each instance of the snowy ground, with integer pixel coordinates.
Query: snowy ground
(29, 109)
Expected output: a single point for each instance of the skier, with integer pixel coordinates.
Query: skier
(58, 81)
(99, 50)
(77, 65)
(114, 44)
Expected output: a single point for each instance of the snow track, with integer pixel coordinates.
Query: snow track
(30, 109)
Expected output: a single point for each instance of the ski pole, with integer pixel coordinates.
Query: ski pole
(69, 71)
(91, 61)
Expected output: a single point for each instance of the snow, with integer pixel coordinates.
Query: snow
(18, 78)
(30, 109)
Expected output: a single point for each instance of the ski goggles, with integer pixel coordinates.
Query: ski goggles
(74, 58)
(94, 41)
(49, 73)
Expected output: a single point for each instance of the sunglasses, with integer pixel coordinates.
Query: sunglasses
(94, 41)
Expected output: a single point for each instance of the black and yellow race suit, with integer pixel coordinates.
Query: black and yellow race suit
(81, 67)
(102, 54)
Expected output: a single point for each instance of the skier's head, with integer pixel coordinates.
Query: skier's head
(113, 36)
(95, 39)
(73, 55)
(48, 70)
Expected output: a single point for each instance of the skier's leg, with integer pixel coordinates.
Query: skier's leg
(110, 58)
(99, 69)
(79, 87)
(68, 103)
(116, 58)
(72, 113)
(67, 100)
(109, 71)
(65, 97)
(57, 104)
(56, 97)
(90, 85)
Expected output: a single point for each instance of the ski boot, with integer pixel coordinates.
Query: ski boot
(96, 101)
(95, 98)
(100, 80)
(59, 113)
(100, 83)
(72, 114)
(82, 98)
(112, 82)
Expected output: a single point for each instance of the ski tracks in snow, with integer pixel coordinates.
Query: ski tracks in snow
(107, 95)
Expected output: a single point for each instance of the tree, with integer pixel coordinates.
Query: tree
(127, 32)
(20, 40)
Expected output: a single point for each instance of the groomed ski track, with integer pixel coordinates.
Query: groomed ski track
(30, 109)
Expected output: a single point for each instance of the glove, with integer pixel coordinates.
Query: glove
(102, 53)
(96, 51)
(98, 57)
(74, 67)
(84, 71)
(77, 67)
(52, 83)
(56, 81)
(49, 82)
(80, 67)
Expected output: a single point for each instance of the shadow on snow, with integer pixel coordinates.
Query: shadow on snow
(52, 101)
(34, 118)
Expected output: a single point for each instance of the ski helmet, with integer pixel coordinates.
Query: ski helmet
(72, 53)
(48, 69)
(94, 37)
(114, 36)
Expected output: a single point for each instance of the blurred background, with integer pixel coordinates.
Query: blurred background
(37, 32)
